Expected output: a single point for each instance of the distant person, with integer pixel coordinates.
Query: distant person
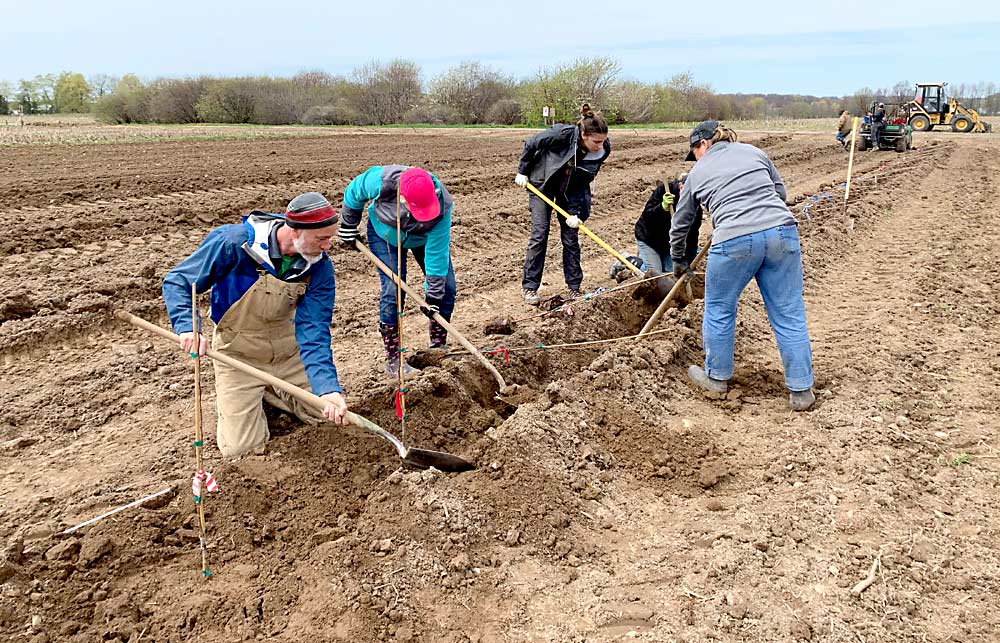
(844, 126)
(878, 118)
(424, 219)
(561, 162)
(272, 303)
(754, 236)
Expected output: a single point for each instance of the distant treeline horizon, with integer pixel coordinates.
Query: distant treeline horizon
(384, 93)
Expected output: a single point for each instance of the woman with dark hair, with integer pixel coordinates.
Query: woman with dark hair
(754, 236)
(561, 162)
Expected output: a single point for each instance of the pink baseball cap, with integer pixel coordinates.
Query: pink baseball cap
(417, 188)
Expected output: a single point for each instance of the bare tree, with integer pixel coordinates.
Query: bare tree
(385, 91)
(470, 89)
(174, 100)
(862, 102)
(102, 84)
(901, 92)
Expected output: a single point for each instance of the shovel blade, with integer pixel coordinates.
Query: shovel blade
(424, 459)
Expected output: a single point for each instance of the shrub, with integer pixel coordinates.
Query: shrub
(430, 113)
(504, 112)
(337, 114)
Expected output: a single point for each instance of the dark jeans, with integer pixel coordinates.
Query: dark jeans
(541, 220)
(387, 300)
(876, 128)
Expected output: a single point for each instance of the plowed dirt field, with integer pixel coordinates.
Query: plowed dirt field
(611, 501)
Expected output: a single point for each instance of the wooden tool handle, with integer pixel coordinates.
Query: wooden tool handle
(300, 394)
(437, 317)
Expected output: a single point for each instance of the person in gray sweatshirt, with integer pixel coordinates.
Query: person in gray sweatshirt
(754, 236)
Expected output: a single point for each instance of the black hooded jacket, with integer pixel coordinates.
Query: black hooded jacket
(554, 163)
(653, 225)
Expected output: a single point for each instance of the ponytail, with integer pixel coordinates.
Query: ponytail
(723, 133)
(591, 122)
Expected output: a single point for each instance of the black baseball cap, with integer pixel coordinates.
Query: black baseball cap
(703, 131)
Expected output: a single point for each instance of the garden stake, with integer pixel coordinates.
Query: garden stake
(437, 317)
(134, 503)
(199, 498)
(400, 367)
(614, 253)
(420, 458)
(850, 162)
(662, 308)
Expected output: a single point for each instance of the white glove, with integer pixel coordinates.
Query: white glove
(520, 180)
(573, 221)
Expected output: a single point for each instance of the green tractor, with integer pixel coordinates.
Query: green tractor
(895, 132)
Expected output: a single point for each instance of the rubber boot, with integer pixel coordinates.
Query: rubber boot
(801, 400)
(390, 339)
(698, 375)
(438, 334)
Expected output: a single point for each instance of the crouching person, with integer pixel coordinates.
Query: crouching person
(272, 303)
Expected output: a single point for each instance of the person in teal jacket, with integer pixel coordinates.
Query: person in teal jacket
(424, 217)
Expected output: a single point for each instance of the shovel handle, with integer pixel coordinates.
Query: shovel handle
(437, 317)
(300, 394)
(684, 279)
(614, 253)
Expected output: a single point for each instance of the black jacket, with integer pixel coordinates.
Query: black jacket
(554, 162)
(653, 225)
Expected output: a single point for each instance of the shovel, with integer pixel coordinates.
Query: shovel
(418, 458)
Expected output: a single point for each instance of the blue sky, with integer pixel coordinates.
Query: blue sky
(820, 48)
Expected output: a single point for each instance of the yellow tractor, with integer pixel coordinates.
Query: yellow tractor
(930, 107)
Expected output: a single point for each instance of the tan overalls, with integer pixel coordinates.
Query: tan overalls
(258, 330)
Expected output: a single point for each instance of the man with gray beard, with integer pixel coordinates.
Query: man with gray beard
(272, 304)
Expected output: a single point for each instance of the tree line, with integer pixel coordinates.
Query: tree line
(382, 93)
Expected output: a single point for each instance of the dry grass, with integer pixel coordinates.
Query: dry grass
(82, 129)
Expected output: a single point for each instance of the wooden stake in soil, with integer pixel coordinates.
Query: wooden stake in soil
(198, 433)
(850, 162)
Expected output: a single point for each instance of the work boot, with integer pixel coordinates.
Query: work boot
(801, 400)
(698, 375)
(530, 297)
(438, 334)
(390, 339)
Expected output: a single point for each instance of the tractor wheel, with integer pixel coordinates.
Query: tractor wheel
(920, 123)
(962, 124)
(901, 144)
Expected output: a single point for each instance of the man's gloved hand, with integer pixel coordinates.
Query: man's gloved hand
(432, 308)
(347, 235)
(520, 180)
(573, 221)
(668, 200)
(681, 268)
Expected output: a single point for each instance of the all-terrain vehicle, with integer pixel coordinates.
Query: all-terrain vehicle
(894, 134)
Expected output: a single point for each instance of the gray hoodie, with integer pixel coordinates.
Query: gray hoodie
(741, 189)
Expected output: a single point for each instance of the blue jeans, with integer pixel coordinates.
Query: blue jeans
(653, 259)
(774, 258)
(387, 300)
